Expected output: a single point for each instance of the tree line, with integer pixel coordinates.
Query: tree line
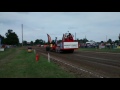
(12, 39)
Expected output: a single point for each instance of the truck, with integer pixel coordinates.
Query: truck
(67, 44)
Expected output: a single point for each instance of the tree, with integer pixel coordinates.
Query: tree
(119, 37)
(36, 41)
(117, 42)
(31, 43)
(39, 41)
(81, 41)
(24, 43)
(59, 41)
(2, 39)
(102, 42)
(109, 41)
(11, 38)
(44, 42)
(85, 40)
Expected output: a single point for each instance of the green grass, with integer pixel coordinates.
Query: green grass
(100, 50)
(6, 53)
(24, 65)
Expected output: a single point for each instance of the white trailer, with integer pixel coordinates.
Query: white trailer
(67, 46)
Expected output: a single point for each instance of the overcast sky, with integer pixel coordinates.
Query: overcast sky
(94, 25)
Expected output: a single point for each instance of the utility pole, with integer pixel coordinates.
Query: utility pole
(22, 34)
(75, 36)
(119, 38)
(106, 38)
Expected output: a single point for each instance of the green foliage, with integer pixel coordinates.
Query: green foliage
(102, 42)
(116, 41)
(84, 40)
(11, 38)
(58, 41)
(31, 43)
(119, 37)
(109, 41)
(3, 39)
(100, 50)
(24, 43)
(39, 41)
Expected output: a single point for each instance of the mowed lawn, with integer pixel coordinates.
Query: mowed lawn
(18, 63)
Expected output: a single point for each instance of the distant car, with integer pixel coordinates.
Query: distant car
(29, 49)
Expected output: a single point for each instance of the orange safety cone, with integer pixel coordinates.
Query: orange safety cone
(37, 57)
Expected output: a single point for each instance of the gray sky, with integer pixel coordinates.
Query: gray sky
(94, 25)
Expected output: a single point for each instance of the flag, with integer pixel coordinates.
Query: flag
(49, 38)
(63, 37)
(56, 40)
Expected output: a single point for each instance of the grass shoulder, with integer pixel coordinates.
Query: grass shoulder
(100, 50)
(24, 65)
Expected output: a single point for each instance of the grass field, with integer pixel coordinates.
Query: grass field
(18, 63)
(101, 50)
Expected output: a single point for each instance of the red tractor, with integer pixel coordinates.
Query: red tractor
(68, 44)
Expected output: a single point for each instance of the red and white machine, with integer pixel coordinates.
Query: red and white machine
(68, 44)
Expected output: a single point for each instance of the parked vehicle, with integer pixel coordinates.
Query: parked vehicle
(29, 49)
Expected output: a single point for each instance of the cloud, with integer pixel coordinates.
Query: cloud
(94, 25)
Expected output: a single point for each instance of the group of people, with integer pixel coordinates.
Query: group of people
(68, 37)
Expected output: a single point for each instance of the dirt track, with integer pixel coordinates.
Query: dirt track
(87, 64)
